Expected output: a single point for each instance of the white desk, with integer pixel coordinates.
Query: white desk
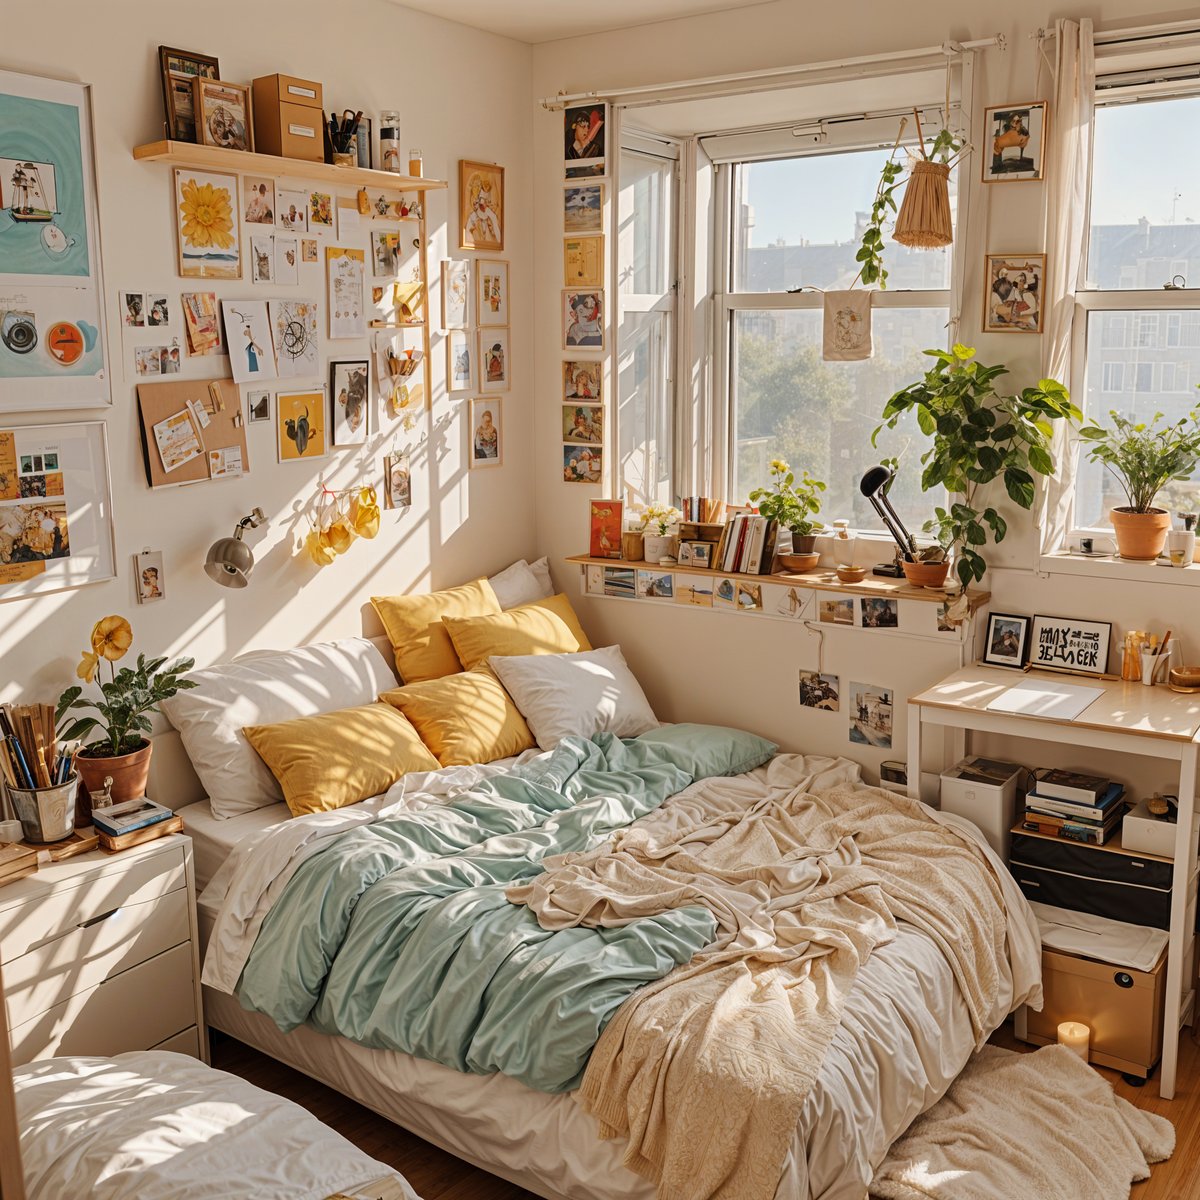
(1152, 722)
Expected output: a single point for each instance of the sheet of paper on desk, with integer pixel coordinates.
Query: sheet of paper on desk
(1045, 698)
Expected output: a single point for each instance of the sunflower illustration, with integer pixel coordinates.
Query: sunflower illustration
(207, 215)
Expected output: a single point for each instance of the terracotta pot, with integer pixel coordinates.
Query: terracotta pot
(926, 574)
(1140, 536)
(797, 564)
(632, 547)
(129, 772)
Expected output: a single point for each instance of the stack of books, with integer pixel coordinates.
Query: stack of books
(134, 822)
(702, 509)
(747, 546)
(1068, 804)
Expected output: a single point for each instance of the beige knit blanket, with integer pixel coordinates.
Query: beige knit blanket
(705, 1072)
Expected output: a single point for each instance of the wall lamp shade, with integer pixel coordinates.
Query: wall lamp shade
(229, 560)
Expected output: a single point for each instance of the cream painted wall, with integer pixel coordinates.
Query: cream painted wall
(462, 93)
(719, 666)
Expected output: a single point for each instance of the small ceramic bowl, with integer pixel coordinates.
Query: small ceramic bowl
(1184, 679)
(797, 564)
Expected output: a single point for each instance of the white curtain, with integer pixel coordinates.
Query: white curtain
(1068, 173)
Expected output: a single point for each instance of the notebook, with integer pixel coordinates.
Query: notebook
(1045, 698)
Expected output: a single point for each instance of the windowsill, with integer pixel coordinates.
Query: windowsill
(1108, 567)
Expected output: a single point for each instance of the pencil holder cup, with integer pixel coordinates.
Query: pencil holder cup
(46, 814)
(345, 158)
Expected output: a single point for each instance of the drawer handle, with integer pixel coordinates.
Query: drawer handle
(1123, 979)
(96, 920)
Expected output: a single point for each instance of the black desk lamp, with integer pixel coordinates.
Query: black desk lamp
(874, 485)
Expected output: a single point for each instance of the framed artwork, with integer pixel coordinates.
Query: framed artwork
(300, 420)
(397, 481)
(1014, 141)
(258, 407)
(258, 200)
(178, 69)
(583, 261)
(583, 208)
(53, 338)
(585, 128)
(584, 464)
(456, 293)
(480, 206)
(584, 423)
(347, 270)
(294, 333)
(350, 396)
(248, 336)
(149, 576)
(487, 432)
(491, 275)
(1016, 284)
(56, 516)
(582, 380)
(493, 360)
(604, 529)
(222, 114)
(1007, 641)
(583, 320)
(459, 372)
(206, 225)
(1066, 644)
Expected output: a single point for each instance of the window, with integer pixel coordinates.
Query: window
(1142, 344)
(797, 222)
(646, 278)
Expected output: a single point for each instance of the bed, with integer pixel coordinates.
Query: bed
(904, 1035)
(158, 1126)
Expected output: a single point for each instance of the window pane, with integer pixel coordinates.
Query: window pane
(644, 230)
(790, 404)
(1149, 378)
(1145, 195)
(800, 221)
(644, 415)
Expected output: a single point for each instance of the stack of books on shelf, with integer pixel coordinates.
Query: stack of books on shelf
(1067, 804)
(701, 509)
(123, 825)
(747, 546)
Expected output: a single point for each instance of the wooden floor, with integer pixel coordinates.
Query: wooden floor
(436, 1175)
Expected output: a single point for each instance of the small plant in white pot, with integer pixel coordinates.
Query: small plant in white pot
(658, 524)
(1144, 456)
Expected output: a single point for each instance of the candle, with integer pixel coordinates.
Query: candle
(1075, 1035)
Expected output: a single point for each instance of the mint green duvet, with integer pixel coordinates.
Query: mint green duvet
(398, 935)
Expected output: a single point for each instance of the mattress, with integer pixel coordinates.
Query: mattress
(213, 839)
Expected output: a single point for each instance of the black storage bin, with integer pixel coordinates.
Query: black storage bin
(1107, 883)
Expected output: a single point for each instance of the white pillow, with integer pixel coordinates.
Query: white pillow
(541, 572)
(561, 694)
(519, 584)
(262, 689)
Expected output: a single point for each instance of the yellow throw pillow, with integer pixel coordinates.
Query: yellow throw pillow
(414, 627)
(338, 758)
(464, 718)
(547, 626)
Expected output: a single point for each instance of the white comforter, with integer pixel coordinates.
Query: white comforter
(159, 1126)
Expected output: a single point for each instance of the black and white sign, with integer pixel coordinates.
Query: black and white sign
(1068, 644)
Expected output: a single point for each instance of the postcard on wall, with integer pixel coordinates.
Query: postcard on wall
(696, 590)
(225, 463)
(294, 325)
(258, 200)
(869, 708)
(300, 420)
(347, 310)
(583, 320)
(320, 210)
(487, 436)
(583, 261)
(583, 208)
(655, 584)
(385, 252)
(291, 211)
(262, 258)
(492, 276)
(1014, 140)
(481, 206)
(258, 407)
(202, 324)
(248, 336)
(350, 395)
(493, 360)
(133, 310)
(456, 293)
(583, 423)
(207, 226)
(582, 464)
(287, 261)
(581, 380)
(177, 440)
(620, 581)
(818, 689)
(158, 310)
(458, 361)
(149, 576)
(605, 529)
(1015, 286)
(585, 127)
(397, 475)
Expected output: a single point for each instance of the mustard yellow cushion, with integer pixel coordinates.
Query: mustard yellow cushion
(338, 758)
(547, 626)
(464, 718)
(414, 627)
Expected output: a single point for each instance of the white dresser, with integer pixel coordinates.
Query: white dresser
(100, 955)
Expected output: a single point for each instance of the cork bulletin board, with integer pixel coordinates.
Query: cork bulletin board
(192, 431)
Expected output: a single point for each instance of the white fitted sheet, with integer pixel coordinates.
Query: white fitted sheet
(213, 839)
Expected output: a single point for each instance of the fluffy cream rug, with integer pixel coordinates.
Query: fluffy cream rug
(1014, 1126)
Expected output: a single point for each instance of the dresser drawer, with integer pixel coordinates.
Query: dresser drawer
(187, 1042)
(50, 911)
(144, 1006)
(92, 952)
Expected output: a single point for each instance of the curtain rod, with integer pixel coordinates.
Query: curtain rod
(948, 49)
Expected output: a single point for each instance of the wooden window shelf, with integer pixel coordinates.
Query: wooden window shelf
(217, 158)
(822, 580)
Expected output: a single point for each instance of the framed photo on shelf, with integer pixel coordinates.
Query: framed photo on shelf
(1007, 641)
(1067, 644)
(487, 432)
(491, 275)
(178, 69)
(222, 113)
(1015, 288)
(1014, 142)
(480, 206)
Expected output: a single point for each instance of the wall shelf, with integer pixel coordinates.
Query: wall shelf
(217, 158)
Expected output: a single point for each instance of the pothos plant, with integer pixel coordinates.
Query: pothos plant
(979, 435)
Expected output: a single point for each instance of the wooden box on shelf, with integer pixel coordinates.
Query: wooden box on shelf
(289, 117)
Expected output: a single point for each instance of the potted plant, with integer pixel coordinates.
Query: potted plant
(120, 748)
(978, 436)
(658, 542)
(1144, 457)
(792, 505)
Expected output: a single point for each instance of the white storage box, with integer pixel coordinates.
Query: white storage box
(984, 790)
(1144, 834)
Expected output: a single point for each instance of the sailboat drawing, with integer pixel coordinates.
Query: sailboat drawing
(27, 189)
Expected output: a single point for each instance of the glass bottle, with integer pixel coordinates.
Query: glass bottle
(389, 141)
(414, 164)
